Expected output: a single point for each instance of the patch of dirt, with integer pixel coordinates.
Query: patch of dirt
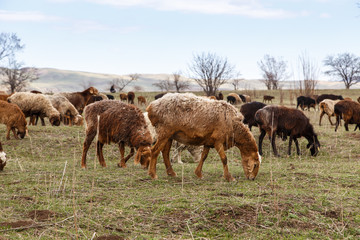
(109, 237)
(17, 224)
(231, 194)
(332, 214)
(41, 215)
(354, 135)
(292, 223)
(27, 198)
(245, 213)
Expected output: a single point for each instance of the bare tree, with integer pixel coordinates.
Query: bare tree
(9, 44)
(345, 66)
(179, 84)
(138, 88)
(236, 83)
(210, 72)
(274, 71)
(85, 84)
(164, 85)
(310, 72)
(16, 77)
(121, 83)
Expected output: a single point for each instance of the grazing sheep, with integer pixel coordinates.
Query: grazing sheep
(231, 99)
(327, 107)
(112, 89)
(141, 100)
(13, 118)
(236, 96)
(304, 101)
(68, 113)
(220, 96)
(245, 98)
(328, 96)
(123, 97)
(286, 121)
(119, 123)
(160, 95)
(349, 111)
(131, 97)
(248, 110)
(36, 104)
(2, 158)
(268, 98)
(195, 151)
(194, 120)
(79, 99)
(111, 97)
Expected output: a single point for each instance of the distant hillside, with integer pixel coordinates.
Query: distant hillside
(56, 80)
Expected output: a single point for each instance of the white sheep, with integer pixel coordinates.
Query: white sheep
(36, 104)
(65, 108)
(327, 107)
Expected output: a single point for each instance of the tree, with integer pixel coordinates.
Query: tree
(236, 83)
(9, 45)
(310, 72)
(179, 84)
(346, 66)
(17, 77)
(121, 83)
(164, 85)
(274, 71)
(210, 72)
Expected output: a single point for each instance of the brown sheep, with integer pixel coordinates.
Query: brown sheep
(123, 97)
(268, 98)
(349, 111)
(4, 97)
(194, 120)
(131, 97)
(141, 100)
(248, 110)
(119, 123)
(2, 158)
(13, 118)
(237, 98)
(284, 121)
(79, 99)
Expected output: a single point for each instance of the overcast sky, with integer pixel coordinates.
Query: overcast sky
(161, 36)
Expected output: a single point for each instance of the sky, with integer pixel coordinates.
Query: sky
(162, 36)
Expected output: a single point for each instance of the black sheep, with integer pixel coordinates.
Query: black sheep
(328, 96)
(248, 110)
(303, 102)
(231, 99)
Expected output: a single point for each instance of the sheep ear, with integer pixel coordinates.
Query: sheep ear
(138, 156)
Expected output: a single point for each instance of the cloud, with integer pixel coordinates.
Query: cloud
(14, 16)
(248, 8)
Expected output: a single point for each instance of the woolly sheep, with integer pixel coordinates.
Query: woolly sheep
(2, 158)
(349, 111)
(65, 108)
(194, 120)
(13, 118)
(327, 107)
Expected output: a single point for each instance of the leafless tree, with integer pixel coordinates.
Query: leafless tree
(274, 71)
(236, 83)
(138, 88)
(121, 83)
(85, 84)
(310, 72)
(164, 85)
(345, 66)
(179, 83)
(9, 44)
(210, 72)
(16, 77)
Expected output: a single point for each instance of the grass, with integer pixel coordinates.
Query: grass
(44, 194)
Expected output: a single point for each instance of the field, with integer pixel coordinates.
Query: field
(44, 194)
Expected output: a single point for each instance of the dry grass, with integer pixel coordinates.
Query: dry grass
(44, 194)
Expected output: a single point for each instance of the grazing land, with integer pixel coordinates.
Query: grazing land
(44, 193)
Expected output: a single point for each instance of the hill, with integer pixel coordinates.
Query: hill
(57, 80)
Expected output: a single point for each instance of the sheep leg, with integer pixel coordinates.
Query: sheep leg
(99, 152)
(220, 149)
(261, 138)
(273, 144)
(346, 126)
(290, 142)
(337, 123)
(90, 135)
(8, 128)
(297, 146)
(321, 116)
(198, 170)
(155, 150)
(123, 161)
(166, 157)
(330, 120)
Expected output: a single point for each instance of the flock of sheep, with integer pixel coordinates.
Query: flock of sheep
(193, 122)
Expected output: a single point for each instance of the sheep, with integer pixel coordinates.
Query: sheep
(358, 99)
(328, 96)
(68, 112)
(109, 96)
(236, 96)
(248, 110)
(141, 100)
(194, 120)
(112, 89)
(38, 104)
(349, 111)
(131, 97)
(304, 101)
(327, 107)
(79, 99)
(2, 158)
(268, 98)
(13, 118)
(4, 97)
(123, 97)
(220, 96)
(231, 99)
(245, 98)
(285, 122)
(119, 123)
(195, 151)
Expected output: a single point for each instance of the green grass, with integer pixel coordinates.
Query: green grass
(293, 197)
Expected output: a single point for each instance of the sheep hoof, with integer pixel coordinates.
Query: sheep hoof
(171, 173)
(199, 175)
(83, 166)
(153, 176)
(229, 178)
(120, 165)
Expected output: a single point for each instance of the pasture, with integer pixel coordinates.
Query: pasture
(44, 193)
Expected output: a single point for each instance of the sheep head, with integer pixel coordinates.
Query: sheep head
(314, 145)
(55, 120)
(251, 165)
(143, 156)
